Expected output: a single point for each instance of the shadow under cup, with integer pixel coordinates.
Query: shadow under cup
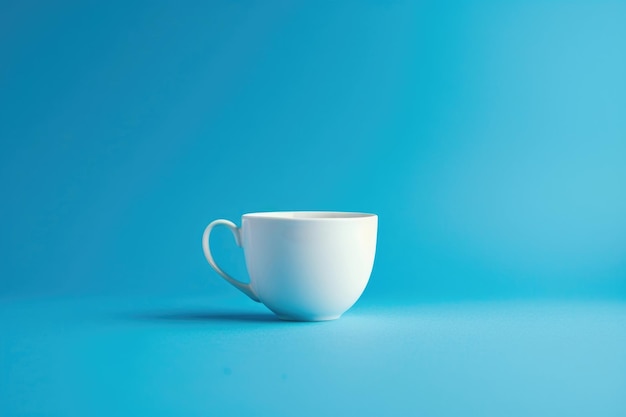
(305, 265)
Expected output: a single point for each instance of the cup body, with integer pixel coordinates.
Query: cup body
(309, 265)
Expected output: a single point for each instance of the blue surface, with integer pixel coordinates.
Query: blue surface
(213, 356)
(489, 136)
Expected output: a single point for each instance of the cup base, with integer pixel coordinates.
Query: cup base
(312, 318)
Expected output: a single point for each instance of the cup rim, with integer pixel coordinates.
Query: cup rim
(310, 215)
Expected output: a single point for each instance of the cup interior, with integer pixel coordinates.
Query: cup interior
(310, 215)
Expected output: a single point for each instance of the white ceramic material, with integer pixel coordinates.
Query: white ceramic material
(309, 265)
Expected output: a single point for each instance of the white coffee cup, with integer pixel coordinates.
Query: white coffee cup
(303, 265)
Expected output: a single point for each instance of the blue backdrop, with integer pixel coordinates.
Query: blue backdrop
(490, 137)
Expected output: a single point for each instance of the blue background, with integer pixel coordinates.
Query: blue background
(489, 136)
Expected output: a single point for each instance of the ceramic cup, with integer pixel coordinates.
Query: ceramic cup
(307, 266)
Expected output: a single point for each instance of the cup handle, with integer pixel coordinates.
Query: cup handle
(244, 288)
